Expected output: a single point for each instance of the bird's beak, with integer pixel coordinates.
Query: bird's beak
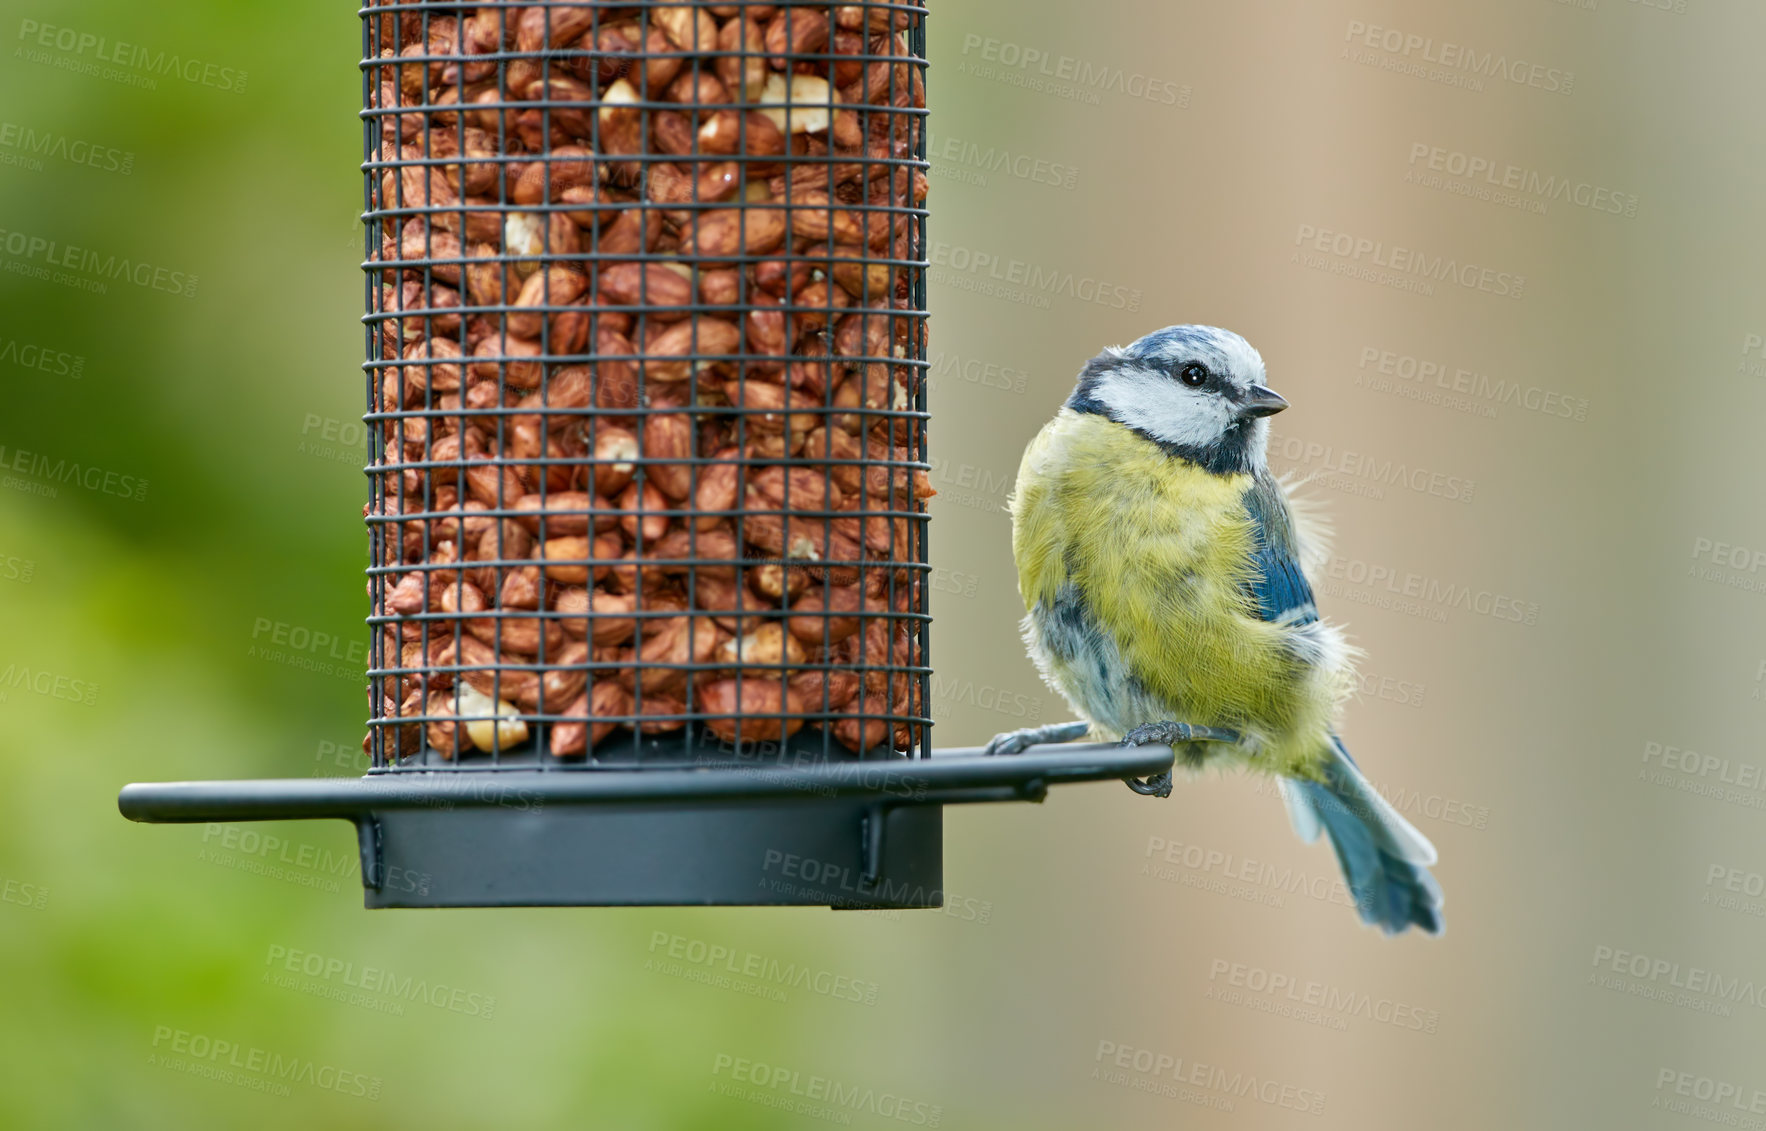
(1262, 402)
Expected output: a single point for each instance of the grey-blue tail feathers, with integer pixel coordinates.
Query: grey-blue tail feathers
(1385, 859)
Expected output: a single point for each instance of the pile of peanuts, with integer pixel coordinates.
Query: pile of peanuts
(651, 453)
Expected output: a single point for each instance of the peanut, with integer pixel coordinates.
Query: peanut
(566, 559)
(639, 505)
(825, 691)
(826, 614)
(795, 30)
(558, 513)
(767, 646)
(731, 231)
(607, 699)
(719, 483)
(741, 713)
(615, 450)
(555, 286)
(667, 353)
(708, 549)
(742, 68)
(649, 285)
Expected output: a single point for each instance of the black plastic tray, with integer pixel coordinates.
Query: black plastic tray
(854, 834)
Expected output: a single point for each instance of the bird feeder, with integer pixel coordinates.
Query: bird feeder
(646, 359)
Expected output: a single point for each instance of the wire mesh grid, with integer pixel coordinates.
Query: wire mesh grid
(646, 397)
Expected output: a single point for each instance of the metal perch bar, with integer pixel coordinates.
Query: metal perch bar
(954, 776)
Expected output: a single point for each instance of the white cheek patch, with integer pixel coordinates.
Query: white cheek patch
(1162, 408)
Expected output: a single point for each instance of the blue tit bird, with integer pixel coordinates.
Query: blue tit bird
(1160, 563)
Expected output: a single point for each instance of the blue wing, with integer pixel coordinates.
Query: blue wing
(1384, 859)
(1278, 585)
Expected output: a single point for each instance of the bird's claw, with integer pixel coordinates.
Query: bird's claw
(1018, 741)
(1159, 785)
(1011, 742)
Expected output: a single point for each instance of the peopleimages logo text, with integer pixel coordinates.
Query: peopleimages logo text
(120, 53)
(1408, 264)
(1458, 58)
(1082, 73)
(69, 471)
(66, 256)
(1035, 278)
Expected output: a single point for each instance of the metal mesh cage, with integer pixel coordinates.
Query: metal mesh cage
(646, 356)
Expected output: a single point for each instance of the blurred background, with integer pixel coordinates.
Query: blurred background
(1506, 263)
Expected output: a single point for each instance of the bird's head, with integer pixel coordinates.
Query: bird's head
(1197, 391)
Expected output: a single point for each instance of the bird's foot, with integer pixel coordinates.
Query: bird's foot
(1017, 741)
(1169, 733)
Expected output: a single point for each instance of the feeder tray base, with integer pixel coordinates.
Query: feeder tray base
(730, 853)
(854, 834)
